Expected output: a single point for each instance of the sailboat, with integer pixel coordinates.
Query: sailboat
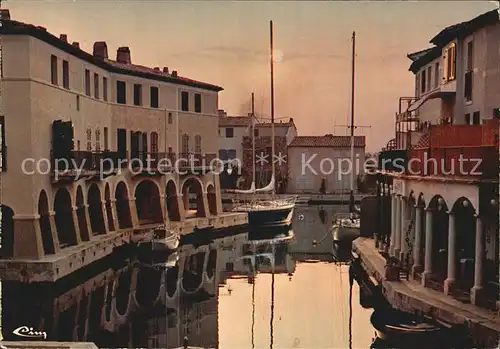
(346, 228)
(266, 212)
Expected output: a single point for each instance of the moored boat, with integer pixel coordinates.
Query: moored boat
(345, 228)
(165, 240)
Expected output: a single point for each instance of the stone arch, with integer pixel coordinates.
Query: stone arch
(440, 220)
(65, 225)
(193, 186)
(45, 228)
(212, 200)
(95, 209)
(123, 206)
(81, 215)
(7, 222)
(465, 230)
(421, 200)
(109, 207)
(172, 202)
(147, 200)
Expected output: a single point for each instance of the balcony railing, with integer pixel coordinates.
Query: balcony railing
(85, 161)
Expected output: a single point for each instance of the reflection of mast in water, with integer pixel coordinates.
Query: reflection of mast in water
(253, 299)
(272, 296)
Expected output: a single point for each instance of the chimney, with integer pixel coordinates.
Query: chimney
(157, 68)
(63, 37)
(291, 120)
(174, 73)
(123, 55)
(76, 44)
(165, 70)
(5, 14)
(100, 49)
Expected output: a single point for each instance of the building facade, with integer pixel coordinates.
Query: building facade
(441, 221)
(102, 117)
(321, 164)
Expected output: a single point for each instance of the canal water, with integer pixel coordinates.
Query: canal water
(281, 289)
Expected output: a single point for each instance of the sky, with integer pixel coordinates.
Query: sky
(227, 43)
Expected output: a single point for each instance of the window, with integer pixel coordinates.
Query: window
(97, 139)
(154, 97)
(469, 72)
(96, 85)
(231, 154)
(105, 89)
(137, 94)
(197, 103)
(417, 85)
(121, 92)
(121, 142)
(256, 132)
(229, 132)
(185, 143)
(77, 102)
(436, 75)
(470, 55)
(476, 118)
(53, 69)
(170, 118)
(89, 139)
(106, 140)
(467, 119)
(223, 154)
(422, 82)
(197, 144)
(3, 158)
(154, 142)
(66, 75)
(429, 79)
(450, 53)
(87, 82)
(184, 101)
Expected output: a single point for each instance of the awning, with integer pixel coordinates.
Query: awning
(436, 94)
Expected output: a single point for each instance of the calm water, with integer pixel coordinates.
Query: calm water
(214, 294)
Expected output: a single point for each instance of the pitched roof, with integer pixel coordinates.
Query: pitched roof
(327, 141)
(235, 121)
(10, 27)
(423, 57)
(276, 124)
(416, 55)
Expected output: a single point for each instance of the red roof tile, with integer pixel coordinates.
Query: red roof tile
(327, 141)
(11, 27)
(235, 121)
(423, 142)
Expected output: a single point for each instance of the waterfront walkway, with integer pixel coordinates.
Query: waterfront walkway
(484, 325)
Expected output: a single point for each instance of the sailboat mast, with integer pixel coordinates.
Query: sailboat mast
(352, 110)
(253, 138)
(272, 105)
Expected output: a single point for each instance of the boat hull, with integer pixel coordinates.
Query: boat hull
(165, 245)
(273, 216)
(342, 234)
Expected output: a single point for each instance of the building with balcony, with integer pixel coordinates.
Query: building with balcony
(321, 164)
(76, 127)
(235, 142)
(438, 178)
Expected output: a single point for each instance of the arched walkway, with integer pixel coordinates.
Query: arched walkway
(81, 214)
(95, 210)
(172, 202)
(147, 200)
(7, 219)
(45, 229)
(123, 206)
(109, 208)
(212, 200)
(192, 187)
(439, 239)
(64, 218)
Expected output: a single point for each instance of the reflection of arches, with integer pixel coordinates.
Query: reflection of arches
(212, 262)
(82, 317)
(193, 186)
(96, 306)
(147, 200)
(109, 300)
(212, 200)
(123, 206)
(64, 218)
(192, 279)
(123, 291)
(81, 215)
(148, 286)
(7, 250)
(66, 324)
(465, 228)
(109, 208)
(45, 229)
(172, 202)
(95, 209)
(171, 280)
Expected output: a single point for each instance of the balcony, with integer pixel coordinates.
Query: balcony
(77, 164)
(197, 163)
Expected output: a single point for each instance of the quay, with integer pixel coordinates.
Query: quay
(412, 297)
(310, 199)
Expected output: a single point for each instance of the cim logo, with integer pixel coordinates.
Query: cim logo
(29, 332)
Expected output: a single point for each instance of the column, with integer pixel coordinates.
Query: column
(477, 290)
(397, 240)
(379, 218)
(393, 224)
(53, 231)
(104, 211)
(450, 281)
(115, 214)
(403, 231)
(163, 205)
(417, 245)
(428, 247)
(133, 213)
(27, 237)
(78, 236)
